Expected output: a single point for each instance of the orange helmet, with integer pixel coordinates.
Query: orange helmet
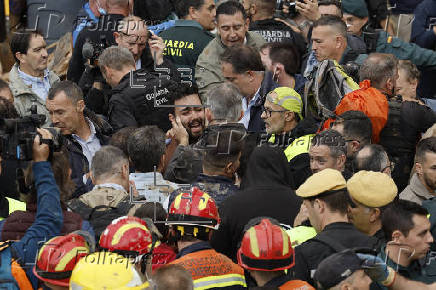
(58, 256)
(126, 235)
(265, 246)
(194, 208)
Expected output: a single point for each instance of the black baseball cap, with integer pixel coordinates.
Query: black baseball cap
(336, 268)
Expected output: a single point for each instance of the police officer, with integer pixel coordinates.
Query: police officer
(356, 16)
(190, 34)
(326, 199)
(370, 193)
(284, 122)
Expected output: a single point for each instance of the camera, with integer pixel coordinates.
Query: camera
(93, 50)
(290, 6)
(17, 135)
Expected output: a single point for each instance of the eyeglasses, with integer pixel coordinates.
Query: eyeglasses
(268, 111)
(132, 38)
(391, 166)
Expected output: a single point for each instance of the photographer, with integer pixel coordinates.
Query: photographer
(19, 255)
(106, 26)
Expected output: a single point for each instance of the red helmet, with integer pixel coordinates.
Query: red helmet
(194, 208)
(127, 234)
(58, 256)
(265, 247)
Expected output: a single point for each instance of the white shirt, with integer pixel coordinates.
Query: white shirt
(90, 146)
(247, 109)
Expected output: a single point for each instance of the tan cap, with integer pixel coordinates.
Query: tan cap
(372, 189)
(322, 181)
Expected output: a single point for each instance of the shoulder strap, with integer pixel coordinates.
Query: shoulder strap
(326, 240)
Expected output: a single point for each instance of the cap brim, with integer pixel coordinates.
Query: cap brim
(63, 282)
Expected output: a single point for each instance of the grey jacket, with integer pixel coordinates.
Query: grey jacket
(208, 68)
(25, 97)
(416, 191)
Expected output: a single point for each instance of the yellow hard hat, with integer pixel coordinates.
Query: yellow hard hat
(106, 270)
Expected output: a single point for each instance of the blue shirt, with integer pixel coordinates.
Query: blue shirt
(247, 109)
(40, 86)
(90, 146)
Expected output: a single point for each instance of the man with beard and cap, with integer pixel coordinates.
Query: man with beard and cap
(265, 191)
(422, 186)
(286, 128)
(370, 193)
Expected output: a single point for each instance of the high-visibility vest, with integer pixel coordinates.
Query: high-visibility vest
(210, 269)
(300, 234)
(15, 205)
(298, 146)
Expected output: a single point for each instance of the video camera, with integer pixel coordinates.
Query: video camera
(92, 50)
(17, 135)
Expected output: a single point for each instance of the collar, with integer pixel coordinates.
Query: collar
(27, 77)
(188, 23)
(91, 128)
(110, 185)
(419, 189)
(337, 225)
(194, 248)
(203, 178)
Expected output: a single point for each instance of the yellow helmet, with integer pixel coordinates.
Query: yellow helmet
(106, 270)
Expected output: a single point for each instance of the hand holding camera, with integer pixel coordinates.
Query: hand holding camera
(41, 148)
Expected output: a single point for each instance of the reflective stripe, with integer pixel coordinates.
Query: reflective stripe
(219, 281)
(299, 146)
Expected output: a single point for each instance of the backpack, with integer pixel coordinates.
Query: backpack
(101, 216)
(326, 86)
(12, 276)
(371, 102)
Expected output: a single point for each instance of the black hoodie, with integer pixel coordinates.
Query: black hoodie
(265, 191)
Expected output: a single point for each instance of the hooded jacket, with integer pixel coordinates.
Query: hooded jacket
(265, 191)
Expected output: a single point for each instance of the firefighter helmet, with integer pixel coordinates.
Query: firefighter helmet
(127, 234)
(58, 256)
(194, 208)
(265, 246)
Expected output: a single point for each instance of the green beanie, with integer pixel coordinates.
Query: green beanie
(355, 8)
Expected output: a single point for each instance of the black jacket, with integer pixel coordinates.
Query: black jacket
(309, 254)
(407, 120)
(136, 100)
(78, 162)
(276, 31)
(300, 164)
(265, 191)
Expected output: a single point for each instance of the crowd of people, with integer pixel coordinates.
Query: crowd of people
(244, 144)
